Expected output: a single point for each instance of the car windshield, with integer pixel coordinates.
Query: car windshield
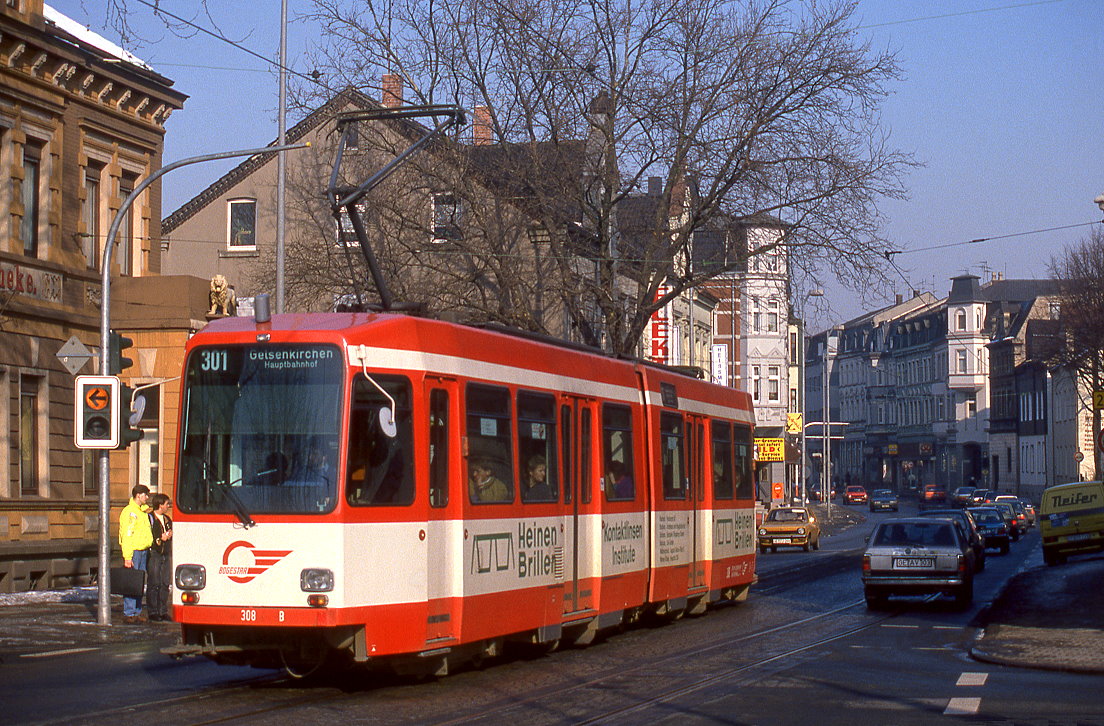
(883, 493)
(936, 534)
(988, 517)
(260, 429)
(787, 515)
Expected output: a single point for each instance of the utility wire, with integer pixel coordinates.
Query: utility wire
(314, 76)
(964, 12)
(888, 254)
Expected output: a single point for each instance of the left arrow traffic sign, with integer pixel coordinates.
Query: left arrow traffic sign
(96, 412)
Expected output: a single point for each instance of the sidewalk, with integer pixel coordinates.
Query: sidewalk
(1048, 618)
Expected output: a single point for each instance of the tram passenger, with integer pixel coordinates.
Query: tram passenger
(619, 484)
(483, 485)
(315, 468)
(536, 488)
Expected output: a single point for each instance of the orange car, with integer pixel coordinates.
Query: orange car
(854, 495)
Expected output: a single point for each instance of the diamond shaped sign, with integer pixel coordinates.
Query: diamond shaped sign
(73, 355)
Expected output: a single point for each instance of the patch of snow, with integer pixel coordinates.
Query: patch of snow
(76, 594)
(94, 39)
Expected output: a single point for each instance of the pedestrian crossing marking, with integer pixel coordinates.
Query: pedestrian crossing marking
(962, 707)
(972, 679)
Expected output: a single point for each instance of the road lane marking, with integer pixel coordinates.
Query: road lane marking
(972, 679)
(909, 627)
(962, 707)
(946, 627)
(52, 653)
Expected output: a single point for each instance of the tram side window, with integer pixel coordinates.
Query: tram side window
(584, 453)
(438, 447)
(617, 453)
(672, 456)
(381, 471)
(742, 469)
(490, 444)
(537, 446)
(568, 464)
(723, 483)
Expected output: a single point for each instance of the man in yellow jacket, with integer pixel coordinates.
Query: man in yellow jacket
(135, 538)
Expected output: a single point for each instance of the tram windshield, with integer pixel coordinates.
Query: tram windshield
(261, 429)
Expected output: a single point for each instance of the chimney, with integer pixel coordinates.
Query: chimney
(655, 186)
(900, 298)
(481, 126)
(392, 91)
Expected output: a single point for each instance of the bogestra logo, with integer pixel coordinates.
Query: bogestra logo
(262, 560)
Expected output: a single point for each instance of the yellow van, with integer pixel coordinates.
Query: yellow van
(1072, 520)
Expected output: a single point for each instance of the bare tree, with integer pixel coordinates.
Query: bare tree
(1079, 272)
(742, 109)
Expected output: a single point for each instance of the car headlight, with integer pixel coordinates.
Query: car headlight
(316, 579)
(763, 531)
(801, 530)
(191, 577)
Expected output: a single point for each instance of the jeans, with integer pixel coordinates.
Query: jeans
(158, 578)
(133, 605)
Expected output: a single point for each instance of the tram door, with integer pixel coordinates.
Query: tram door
(697, 477)
(576, 426)
(443, 548)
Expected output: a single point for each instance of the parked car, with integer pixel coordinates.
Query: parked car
(789, 526)
(933, 494)
(815, 495)
(1005, 508)
(993, 528)
(917, 555)
(1017, 506)
(854, 495)
(977, 497)
(961, 497)
(969, 529)
(1029, 510)
(882, 500)
(1071, 520)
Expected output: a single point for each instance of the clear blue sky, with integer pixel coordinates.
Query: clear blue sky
(1002, 102)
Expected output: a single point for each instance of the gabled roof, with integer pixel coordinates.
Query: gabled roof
(325, 112)
(517, 171)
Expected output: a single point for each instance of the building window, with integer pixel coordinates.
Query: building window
(961, 360)
(772, 316)
(756, 382)
(773, 383)
(346, 234)
(960, 320)
(125, 234)
(28, 434)
(29, 195)
(447, 218)
(971, 405)
(146, 468)
(241, 232)
(90, 215)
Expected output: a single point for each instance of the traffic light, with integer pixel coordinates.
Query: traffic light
(116, 344)
(96, 412)
(130, 414)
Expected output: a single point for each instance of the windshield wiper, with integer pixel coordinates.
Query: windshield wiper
(227, 491)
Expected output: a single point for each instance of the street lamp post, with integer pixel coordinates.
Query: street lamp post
(1097, 467)
(827, 428)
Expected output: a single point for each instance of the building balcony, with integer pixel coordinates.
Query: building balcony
(966, 381)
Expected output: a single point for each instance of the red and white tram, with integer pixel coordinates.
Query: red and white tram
(370, 486)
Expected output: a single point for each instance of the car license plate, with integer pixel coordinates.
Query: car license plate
(782, 540)
(911, 563)
(1079, 537)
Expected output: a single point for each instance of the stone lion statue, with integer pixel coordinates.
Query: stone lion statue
(222, 297)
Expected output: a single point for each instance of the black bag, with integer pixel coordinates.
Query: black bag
(128, 581)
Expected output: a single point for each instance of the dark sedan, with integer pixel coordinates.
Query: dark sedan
(883, 500)
(993, 527)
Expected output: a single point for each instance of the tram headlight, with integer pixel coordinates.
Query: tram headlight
(191, 577)
(316, 579)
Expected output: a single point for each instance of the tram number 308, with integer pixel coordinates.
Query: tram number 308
(250, 616)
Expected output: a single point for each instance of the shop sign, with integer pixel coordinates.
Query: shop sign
(891, 449)
(30, 282)
(770, 449)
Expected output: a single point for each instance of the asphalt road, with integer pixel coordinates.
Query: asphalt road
(803, 649)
